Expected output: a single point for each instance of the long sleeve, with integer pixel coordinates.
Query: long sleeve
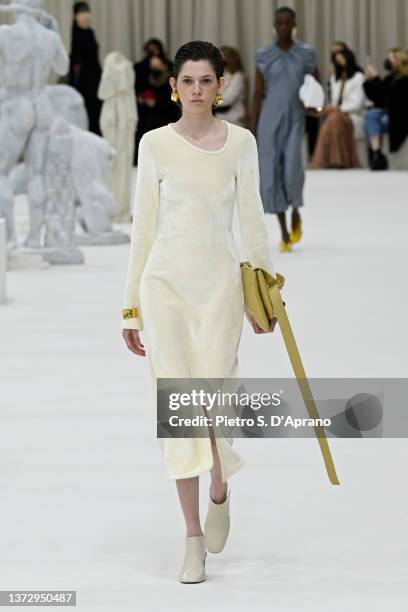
(234, 91)
(253, 228)
(377, 89)
(144, 227)
(354, 96)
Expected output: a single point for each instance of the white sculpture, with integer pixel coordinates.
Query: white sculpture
(28, 52)
(59, 223)
(3, 259)
(68, 103)
(83, 162)
(91, 158)
(118, 123)
(28, 107)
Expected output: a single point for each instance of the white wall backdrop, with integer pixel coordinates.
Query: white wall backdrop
(367, 26)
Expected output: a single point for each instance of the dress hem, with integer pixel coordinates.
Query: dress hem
(239, 466)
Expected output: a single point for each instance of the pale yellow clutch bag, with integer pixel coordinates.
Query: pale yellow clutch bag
(263, 302)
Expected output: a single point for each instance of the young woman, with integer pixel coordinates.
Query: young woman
(389, 114)
(184, 284)
(278, 120)
(336, 146)
(234, 91)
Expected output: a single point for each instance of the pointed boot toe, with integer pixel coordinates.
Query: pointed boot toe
(217, 524)
(193, 569)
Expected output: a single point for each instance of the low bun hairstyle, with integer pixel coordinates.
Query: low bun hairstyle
(197, 50)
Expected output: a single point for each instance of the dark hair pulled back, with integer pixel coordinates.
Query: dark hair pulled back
(196, 50)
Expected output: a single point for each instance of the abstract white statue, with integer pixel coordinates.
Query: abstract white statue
(28, 107)
(68, 103)
(118, 123)
(3, 260)
(77, 170)
(91, 159)
(29, 50)
(59, 221)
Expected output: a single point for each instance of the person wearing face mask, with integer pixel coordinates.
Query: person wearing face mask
(389, 114)
(153, 91)
(336, 146)
(85, 70)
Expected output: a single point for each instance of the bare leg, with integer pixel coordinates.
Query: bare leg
(284, 229)
(188, 492)
(375, 142)
(295, 217)
(218, 488)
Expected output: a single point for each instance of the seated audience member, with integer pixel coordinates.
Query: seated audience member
(336, 147)
(389, 114)
(234, 92)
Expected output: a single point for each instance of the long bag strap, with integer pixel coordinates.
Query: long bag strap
(294, 356)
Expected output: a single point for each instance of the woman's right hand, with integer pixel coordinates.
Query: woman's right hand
(255, 326)
(133, 341)
(370, 72)
(259, 330)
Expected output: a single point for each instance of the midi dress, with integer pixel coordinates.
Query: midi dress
(184, 273)
(281, 124)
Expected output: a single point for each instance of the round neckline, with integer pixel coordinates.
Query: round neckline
(290, 48)
(199, 148)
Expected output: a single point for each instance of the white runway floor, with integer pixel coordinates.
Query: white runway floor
(86, 504)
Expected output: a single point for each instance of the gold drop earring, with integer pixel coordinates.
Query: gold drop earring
(218, 98)
(174, 96)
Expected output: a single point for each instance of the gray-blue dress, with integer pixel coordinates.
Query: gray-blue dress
(281, 124)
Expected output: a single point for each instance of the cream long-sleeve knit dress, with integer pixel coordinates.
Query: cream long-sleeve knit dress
(184, 268)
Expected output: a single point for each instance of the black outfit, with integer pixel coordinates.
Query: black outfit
(391, 93)
(312, 132)
(85, 72)
(150, 83)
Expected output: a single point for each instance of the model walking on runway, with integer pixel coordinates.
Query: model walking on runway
(278, 121)
(184, 287)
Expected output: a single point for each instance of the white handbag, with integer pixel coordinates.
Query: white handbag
(311, 93)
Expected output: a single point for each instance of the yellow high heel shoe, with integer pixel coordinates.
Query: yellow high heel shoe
(296, 232)
(285, 247)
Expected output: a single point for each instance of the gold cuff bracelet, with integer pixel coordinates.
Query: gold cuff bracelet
(130, 313)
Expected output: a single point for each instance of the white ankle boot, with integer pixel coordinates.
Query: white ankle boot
(193, 569)
(217, 524)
